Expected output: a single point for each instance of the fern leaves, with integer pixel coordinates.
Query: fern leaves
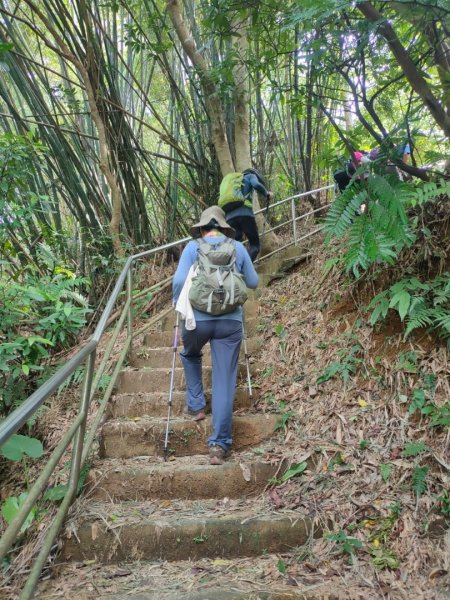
(343, 211)
(430, 190)
(419, 483)
(419, 304)
(378, 234)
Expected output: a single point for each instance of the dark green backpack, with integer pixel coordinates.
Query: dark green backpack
(230, 192)
(217, 288)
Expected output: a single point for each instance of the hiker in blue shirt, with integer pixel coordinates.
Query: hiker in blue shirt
(223, 332)
(401, 152)
(242, 219)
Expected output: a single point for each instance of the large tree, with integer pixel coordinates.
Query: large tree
(232, 154)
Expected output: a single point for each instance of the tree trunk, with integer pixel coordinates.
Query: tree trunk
(417, 82)
(242, 100)
(212, 100)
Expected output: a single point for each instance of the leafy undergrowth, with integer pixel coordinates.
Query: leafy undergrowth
(49, 425)
(367, 416)
(364, 420)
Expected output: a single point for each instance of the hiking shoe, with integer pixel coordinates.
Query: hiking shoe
(217, 455)
(199, 415)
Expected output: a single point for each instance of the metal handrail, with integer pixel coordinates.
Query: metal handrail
(77, 430)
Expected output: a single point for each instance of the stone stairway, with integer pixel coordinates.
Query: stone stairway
(140, 508)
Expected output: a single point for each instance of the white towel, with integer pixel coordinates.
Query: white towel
(183, 306)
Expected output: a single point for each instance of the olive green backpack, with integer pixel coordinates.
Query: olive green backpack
(217, 287)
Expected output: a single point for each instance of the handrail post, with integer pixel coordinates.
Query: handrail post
(130, 306)
(294, 222)
(79, 438)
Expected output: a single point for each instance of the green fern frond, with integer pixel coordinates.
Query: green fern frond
(76, 296)
(421, 318)
(419, 483)
(343, 211)
(414, 449)
(425, 192)
(443, 322)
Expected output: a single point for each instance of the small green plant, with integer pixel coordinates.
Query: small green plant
(281, 565)
(418, 401)
(283, 420)
(57, 493)
(439, 415)
(384, 558)
(364, 444)
(186, 436)
(414, 449)
(345, 367)
(384, 229)
(336, 460)
(419, 304)
(11, 507)
(200, 539)
(378, 234)
(267, 372)
(38, 315)
(419, 480)
(293, 471)
(270, 398)
(345, 543)
(385, 471)
(382, 530)
(443, 503)
(18, 446)
(407, 362)
(280, 331)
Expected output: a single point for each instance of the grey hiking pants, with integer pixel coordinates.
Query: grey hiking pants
(225, 337)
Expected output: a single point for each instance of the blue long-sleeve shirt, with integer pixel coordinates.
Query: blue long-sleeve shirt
(243, 264)
(249, 183)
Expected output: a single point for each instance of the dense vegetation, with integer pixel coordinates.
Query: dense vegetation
(119, 118)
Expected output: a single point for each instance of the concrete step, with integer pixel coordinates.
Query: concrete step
(158, 379)
(154, 404)
(245, 578)
(162, 357)
(122, 438)
(270, 265)
(190, 477)
(237, 591)
(131, 531)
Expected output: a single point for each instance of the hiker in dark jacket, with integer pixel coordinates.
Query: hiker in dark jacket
(343, 176)
(223, 332)
(242, 219)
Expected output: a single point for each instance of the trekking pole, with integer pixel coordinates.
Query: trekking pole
(172, 378)
(247, 356)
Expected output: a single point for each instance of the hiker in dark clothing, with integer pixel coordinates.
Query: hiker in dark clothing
(344, 175)
(242, 219)
(388, 166)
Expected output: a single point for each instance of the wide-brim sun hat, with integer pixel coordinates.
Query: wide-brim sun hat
(212, 217)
